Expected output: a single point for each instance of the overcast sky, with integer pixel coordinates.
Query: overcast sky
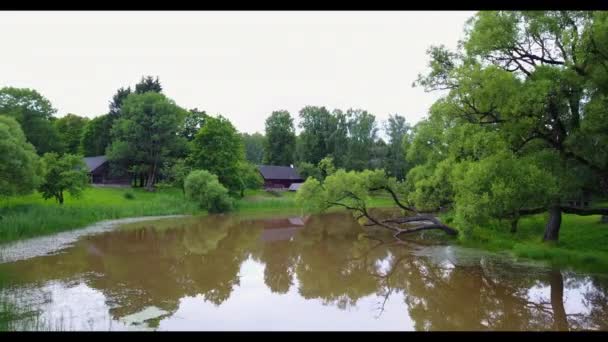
(242, 65)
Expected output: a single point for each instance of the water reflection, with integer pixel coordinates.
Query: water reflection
(317, 272)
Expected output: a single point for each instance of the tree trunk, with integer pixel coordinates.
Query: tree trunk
(554, 223)
(514, 225)
(560, 321)
(60, 197)
(151, 176)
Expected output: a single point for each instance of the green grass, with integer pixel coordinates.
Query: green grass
(29, 216)
(583, 241)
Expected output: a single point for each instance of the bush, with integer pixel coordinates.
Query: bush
(129, 195)
(204, 188)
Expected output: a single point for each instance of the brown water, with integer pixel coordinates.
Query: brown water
(292, 273)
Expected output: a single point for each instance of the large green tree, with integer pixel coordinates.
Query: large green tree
(19, 166)
(318, 126)
(280, 143)
(70, 129)
(362, 133)
(96, 136)
(218, 148)
(146, 134)
(34, 113)
(254, 147)
(397, 129)
(530, 87)
(194, 120)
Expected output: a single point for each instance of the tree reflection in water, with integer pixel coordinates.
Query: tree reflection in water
(328, 258)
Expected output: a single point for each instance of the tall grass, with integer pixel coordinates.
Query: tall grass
(31, 215)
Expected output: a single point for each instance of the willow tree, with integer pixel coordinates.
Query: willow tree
(352, 190)
(531, 90)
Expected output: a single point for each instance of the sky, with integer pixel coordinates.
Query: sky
(243, 65)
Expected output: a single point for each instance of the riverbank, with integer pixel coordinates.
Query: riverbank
(31, 216)
(583, 242)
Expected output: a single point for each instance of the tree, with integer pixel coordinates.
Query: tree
(63, 173)
(362, 133)
(204, 187)
(34, 113)
(193, 122)
(70, 129)
(96, 136)
(280, 142)
(379, 155)
(531, 81)
(397, 130)
(352, 190)
(218, 148)
(117, 100)
(146, 134)
(250, 176)
(148, 83)
(19, 165)
(318, 127)
(254, 147)
(306, 170)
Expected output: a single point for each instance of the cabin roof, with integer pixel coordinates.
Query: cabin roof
(94, 162)
(279, 172)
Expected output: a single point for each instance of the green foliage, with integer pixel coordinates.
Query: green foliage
(148, 84)
(306, 170)
(117, 100)
(96, 136)
(66, 173)
(70, 129)
(280, 142)
(254, 147)
(326, 167)
(349, 189)
(34, 113)
(129, 195)
(318, 127)
(218, 148)
(146, 134)
(204, 188)
(19, 165)
(522, 123)
(176, 173)
(250, 176)
(192, 123)
(362, 132)
(497, 187)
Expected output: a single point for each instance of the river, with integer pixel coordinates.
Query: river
(318, 272)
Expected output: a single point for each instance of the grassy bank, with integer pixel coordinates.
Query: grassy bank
(583, 241)
(28, 216)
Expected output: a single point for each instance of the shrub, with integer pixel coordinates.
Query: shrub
(204, 188)
(129, 195)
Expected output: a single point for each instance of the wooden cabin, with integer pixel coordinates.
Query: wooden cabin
(279, 177)
(98, 168)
